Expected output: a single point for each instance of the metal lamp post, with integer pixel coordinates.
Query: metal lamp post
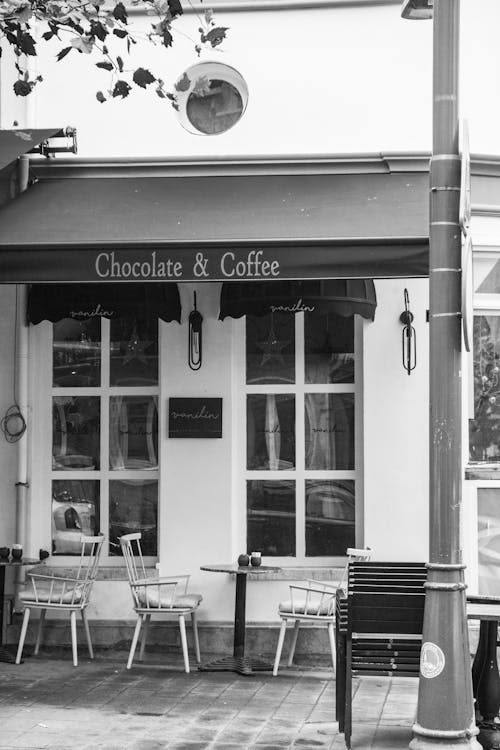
(445, 715)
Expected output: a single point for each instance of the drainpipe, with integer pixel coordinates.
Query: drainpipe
(21, 394)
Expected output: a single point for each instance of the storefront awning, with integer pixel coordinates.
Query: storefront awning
(57, 301)
(343, 297)
(19, 141)
(258, 227)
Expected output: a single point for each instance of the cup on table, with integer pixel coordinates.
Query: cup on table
(17, 551)
(4, 553)
(256, 559)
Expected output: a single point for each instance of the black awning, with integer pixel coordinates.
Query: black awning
(83, 301)
(343, 297)
(19, 141)
(206, 227)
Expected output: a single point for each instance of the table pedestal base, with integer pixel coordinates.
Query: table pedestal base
(489, 735)
(245, 665)
(7, 657)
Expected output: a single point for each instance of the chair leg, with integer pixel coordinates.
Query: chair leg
(196, 639)
(332, 645)
(146, 621)
(279, 648)
(348, 695)
(72, 615)
(87, 633)
(39, 631)
(340, 679)
(23, 635)
(295, 635)
(182, 626)
(134, 641)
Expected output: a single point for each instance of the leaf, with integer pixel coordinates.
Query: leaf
(209, 14)
(22, 88)
(175, 8)
(48, 35)
(183, 83)
(100, 97)
(121, 88)
(98, 30)
(119, 62)
(167, 38)
(215, 36)
(120, 13)
(143, 77)
(26, 44)
(63, 53)
(120, 33)
(104, 65)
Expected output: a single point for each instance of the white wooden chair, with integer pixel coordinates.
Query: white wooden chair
(63, 593)
(165, 597)
(313, 602)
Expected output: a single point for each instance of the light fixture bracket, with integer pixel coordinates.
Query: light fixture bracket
(416, 10)
(48, 149)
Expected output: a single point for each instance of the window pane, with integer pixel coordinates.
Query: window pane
(133, 506)
(75, 432)
(329, 517)
(76, 353)
(484, 432)
(133, 432)
(329, 427)
(134, 351)
(270, 348)
(75, 511)
(271, 431)
(488, 529)
(329, 348)
(271, 517)
(487, 275)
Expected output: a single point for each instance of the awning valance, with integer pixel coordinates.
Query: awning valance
(57, 301)
(343, 297)
(19, 141)
(235, 227)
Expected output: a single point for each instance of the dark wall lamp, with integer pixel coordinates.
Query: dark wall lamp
(195, 338)
(408, 336)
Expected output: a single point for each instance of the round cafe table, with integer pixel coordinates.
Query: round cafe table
(239, 662)
(10, 563)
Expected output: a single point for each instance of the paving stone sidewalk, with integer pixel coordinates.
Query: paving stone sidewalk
(48, 703)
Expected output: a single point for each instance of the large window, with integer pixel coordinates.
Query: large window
(104, 431)
(300, 468)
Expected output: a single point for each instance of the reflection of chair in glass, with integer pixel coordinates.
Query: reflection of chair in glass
(54, 592)
(166, 596)
(313, 602)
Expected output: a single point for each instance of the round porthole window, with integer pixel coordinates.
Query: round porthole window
(212, 97)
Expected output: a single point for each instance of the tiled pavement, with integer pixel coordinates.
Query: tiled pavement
(48, 703)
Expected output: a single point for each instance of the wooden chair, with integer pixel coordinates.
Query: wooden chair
(378, 627)
(313, 602)
(165, 597)
(63, 593)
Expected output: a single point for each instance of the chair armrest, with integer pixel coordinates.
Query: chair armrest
(181, 581)
(333, 585)
(56, 579)
(313, 590)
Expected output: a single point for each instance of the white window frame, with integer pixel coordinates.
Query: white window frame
(299, 474)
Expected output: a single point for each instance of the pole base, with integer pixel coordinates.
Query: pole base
(489, 735)
(425, 739)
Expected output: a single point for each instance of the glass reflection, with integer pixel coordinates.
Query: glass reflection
(329, 348)
(75, 511)
(134, 351)
(270, 348)
(75, 432)
(330, 517)
(76, 353)
(271, 431)
(133, 432)
(133, 506)
(488, 545)
(329, 428)
(484, 432)
(271, 517)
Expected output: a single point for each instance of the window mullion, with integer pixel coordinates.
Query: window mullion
(105, 395)
(300, 523)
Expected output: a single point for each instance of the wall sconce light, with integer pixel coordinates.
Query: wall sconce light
(409, 337)
(195, 337)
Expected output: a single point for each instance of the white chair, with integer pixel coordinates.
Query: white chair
(63, 593)
(313, 602)
(166, 597)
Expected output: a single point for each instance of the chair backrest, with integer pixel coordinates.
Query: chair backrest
(386, 597)
(354, 554)
(89, 557)
(132, 554)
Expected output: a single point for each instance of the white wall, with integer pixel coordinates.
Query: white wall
(8, 451)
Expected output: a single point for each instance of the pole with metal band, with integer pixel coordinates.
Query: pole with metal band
(445, 715)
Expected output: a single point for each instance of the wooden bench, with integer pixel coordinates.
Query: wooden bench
(378, 627)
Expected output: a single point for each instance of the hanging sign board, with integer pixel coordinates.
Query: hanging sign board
(465, 201)
(195, 418)
(467, 292)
